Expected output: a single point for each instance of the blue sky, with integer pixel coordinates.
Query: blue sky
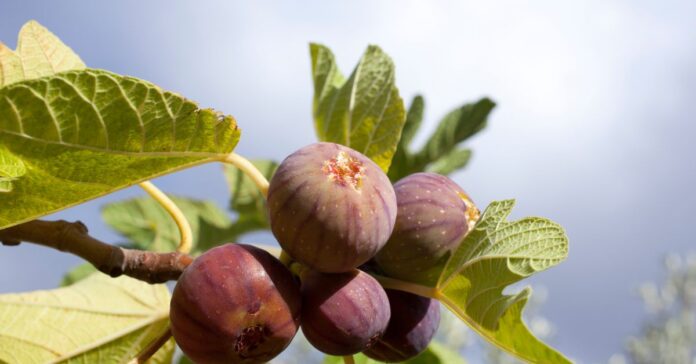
(594, 127)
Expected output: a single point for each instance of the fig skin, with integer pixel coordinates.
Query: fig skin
(433, 216)
(343, 313)
(414, 321)
(330, 207)
(235, 304)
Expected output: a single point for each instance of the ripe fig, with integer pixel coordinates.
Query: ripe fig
(331, 208)
(433, 216)
(235, 304)
(343, 313)
(414, 321)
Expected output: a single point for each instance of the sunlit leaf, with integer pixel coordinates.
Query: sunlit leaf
(364, 112)
(39, 53)
(81, 134)
(496, 254)
(97, 320)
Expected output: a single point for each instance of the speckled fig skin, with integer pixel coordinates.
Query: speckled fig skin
(343, 313)
(414, 321)
(331, 208)
(235, 304)
(433, 216)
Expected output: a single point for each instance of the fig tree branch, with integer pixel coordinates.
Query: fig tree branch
(73, 237)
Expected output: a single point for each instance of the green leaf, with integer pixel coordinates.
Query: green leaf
(39, 53)
(148, 226)
(77, 274)
(455, 160)
(455, 127)
(414, 118)
(97, 320)
(364, 112)
(84, 134)
(435, 353)
(11, 168)
(246, 199)
(494, 255)
(81, 133)
(403, 161)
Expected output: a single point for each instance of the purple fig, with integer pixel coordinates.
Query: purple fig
(331, 208)
(343, 313)
(414, 321)
(433, 216)
(235, 304)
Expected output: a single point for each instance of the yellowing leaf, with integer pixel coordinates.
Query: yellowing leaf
(97, 320)
(39, 53)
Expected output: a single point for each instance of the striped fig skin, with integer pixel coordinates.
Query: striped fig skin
(343, 313)
(433, 216)
(331, 208)
(235, 304)
(414, 321)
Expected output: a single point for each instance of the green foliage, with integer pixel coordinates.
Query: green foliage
(364, 112)
(99, 319)
(69, 134)
(496, 254)
(441, 153)
(39, 53)
(434, 354)
(148, 226)
(246, 199)
(77, 135)
(11, 168)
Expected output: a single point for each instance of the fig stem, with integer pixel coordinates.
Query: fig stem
(249, 170)
(348, 359)
(285, 258)
(392, 283)
(175, 212)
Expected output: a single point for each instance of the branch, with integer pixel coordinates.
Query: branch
(72, 237)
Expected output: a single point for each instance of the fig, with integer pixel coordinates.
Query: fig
(235, 304)
(343, 313)
(414, 321)
(433, 216)
(330, 207)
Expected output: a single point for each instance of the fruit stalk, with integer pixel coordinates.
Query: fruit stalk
(249, 169)
(175, 212)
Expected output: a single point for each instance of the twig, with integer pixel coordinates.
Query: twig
(182, 223)
(348, 359)
(73, 237)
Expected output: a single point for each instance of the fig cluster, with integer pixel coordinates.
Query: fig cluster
(338, 218)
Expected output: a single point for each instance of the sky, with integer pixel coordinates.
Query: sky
(594, 126)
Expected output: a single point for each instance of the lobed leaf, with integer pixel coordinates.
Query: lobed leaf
(97, 320)
(494, 255)
(364, 112)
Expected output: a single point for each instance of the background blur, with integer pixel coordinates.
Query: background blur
(594, 126)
